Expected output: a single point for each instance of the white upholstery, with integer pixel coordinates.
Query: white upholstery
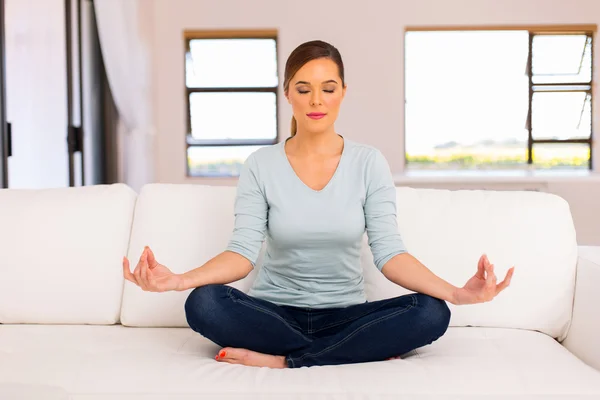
(449, 230)
(21, 391)
(177, 363)
(583, 339)
(185, 226)
(61, 277)
(60, 253)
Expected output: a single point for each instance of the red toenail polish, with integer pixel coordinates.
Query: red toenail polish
(217, 357)
(222, 354)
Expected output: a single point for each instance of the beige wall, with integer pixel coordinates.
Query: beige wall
(370, 38)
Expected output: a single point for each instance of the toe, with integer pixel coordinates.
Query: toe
(225, 352)
(221, 354)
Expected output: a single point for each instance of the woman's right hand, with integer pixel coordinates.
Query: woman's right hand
(150, 275)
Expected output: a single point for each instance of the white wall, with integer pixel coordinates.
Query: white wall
(36, 93)
(370, 39)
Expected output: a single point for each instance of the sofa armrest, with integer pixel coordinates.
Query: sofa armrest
(583, 338)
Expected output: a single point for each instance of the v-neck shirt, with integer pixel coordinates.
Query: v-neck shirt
(314, 237)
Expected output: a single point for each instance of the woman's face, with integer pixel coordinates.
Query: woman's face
(316, 93)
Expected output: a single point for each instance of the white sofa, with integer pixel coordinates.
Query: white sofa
(72, 328)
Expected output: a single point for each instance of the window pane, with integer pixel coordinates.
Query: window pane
(218, 160)
(561, 115)
(482, 156)
(233, 115)
(467, 96)
(561, 156)
(231, 63)
(561, 58)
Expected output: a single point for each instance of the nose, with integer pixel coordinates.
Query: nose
(315, 98)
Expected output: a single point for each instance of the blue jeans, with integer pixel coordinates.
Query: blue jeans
(371, 331)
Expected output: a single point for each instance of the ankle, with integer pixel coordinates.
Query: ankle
(284, 362)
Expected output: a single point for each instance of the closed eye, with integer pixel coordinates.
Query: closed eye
(304, 92)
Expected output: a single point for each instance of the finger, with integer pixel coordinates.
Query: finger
(481, 267)
(489, 280)
(138, 271)
(506, 282)
(137, 276)
(127, 271)
(144, 270)
(151, 281)
(151, 259)
(143, 255)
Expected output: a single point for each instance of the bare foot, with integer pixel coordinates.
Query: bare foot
(250, 358)
(393, 358)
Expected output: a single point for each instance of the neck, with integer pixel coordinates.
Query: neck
(318, 143)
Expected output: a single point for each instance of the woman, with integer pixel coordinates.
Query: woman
(312, 197)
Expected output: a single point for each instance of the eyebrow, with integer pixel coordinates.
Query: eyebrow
(308, 83)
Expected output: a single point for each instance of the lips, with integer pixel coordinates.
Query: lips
(315, 115)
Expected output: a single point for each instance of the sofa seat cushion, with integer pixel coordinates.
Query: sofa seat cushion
(117, 362)
(22, 391)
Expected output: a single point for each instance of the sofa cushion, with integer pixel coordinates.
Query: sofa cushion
(449, 230)
(61, 253)
(16, 391)
(185, 226)
(116, 362)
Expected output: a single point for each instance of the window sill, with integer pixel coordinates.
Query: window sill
(494, 176)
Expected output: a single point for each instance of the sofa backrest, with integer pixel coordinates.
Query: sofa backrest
(61, 252)
(186, 225)
(449, 230)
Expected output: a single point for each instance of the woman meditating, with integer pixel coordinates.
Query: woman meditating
(312, 197)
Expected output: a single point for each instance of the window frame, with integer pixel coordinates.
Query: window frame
(190, 141)
(589, 30)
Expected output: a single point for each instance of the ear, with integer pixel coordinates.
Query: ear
(344, 91)
(287, 96)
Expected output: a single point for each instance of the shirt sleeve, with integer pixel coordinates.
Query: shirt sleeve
(380, 211)
(250, 210)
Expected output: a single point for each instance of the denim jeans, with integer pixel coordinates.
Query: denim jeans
(371, 331)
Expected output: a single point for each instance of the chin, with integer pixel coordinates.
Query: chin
(318, 124)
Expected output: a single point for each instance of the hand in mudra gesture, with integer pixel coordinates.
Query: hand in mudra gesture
(482, 287)
(150, 275)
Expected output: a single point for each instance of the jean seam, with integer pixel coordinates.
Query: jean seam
(265, 311)
(336, 345)
(289, 358)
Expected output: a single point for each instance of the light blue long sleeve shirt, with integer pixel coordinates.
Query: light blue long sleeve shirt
(314, 237)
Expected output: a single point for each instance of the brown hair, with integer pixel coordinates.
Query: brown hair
(304, 53)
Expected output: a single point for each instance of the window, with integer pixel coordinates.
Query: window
(499, 99)
(232, 83)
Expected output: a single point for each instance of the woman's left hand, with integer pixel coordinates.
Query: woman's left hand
(482, 286)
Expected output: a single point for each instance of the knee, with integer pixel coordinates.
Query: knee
(203, 303)
(435, 314)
